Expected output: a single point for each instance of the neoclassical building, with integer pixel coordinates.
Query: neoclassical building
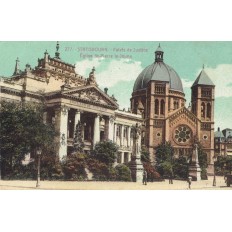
(159, 97)
(70, 98)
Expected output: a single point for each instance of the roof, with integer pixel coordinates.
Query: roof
(158, 71)
(227, 132)
(159, 49)
(218, 134)
(203, 79)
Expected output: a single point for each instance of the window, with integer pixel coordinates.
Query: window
(162, 107)
(182, 134)
(157, 107)
(205, 137)
(208, 110)
(203, 109)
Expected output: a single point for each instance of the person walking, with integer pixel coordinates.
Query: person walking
(144, 177)
(189, 181)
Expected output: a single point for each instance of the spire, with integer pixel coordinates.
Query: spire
(57, 54)
(17, 70)
(159, 54)
(203, 67)
(203, 79)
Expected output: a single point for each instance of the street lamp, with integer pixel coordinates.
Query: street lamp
(39, 152)
(214, 176)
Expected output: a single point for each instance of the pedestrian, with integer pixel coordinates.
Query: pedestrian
(144, 177)
(189, 181)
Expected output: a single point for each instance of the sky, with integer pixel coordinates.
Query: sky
(118, 64)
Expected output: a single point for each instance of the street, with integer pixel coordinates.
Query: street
(91, 185)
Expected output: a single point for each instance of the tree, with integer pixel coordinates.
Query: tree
(106, 152)
(123, 172)
(152, 174)
(165, 158)
(180, 167)
(74, 166)
(223, 165)
(22, 132)
(101, 171)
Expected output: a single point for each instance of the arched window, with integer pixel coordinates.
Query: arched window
(157, 107)
(203, 109)
(162, 107)
(208, 110)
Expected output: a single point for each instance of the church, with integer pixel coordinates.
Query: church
(157, 103)
(159, 97)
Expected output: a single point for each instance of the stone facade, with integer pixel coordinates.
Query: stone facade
(70, 98)
(158, 96)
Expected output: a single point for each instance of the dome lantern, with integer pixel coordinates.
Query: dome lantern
(159, 54)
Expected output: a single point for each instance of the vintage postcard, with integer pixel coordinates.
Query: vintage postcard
(116, 115)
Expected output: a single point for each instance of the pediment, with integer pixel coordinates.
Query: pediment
(91, 94)
(182, 115)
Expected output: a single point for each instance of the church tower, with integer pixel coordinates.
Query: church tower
(203, 95)
(157, 93)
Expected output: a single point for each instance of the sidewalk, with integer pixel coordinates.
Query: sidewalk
(91, 185)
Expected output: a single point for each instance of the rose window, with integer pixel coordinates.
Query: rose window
(182, 134)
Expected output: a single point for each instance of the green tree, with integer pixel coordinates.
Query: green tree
(22, 132)
(180, 167)
(145, 156)
(165, 159)
(101, 171)
(223, 165)
(152, 174)
(124, 172)
(74, 166)
(105, 152)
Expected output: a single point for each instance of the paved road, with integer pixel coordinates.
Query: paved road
(59, 185)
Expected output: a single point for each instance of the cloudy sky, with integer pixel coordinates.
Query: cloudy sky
(119, 63)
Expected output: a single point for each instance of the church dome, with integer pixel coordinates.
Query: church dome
(158, 71)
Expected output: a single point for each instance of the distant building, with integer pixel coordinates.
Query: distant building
(159, 97)
(223, 142)
(70, 98)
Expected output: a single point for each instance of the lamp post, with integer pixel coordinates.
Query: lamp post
(214, 173)
(39, 152)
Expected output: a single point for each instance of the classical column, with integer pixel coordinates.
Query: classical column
(122, 136)
(115, 132)
(129, 136)
(61, 126)
(106, 128)
(129, 156)
(122, 157)
(96, 135)
(111, 128)
(77, 118)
